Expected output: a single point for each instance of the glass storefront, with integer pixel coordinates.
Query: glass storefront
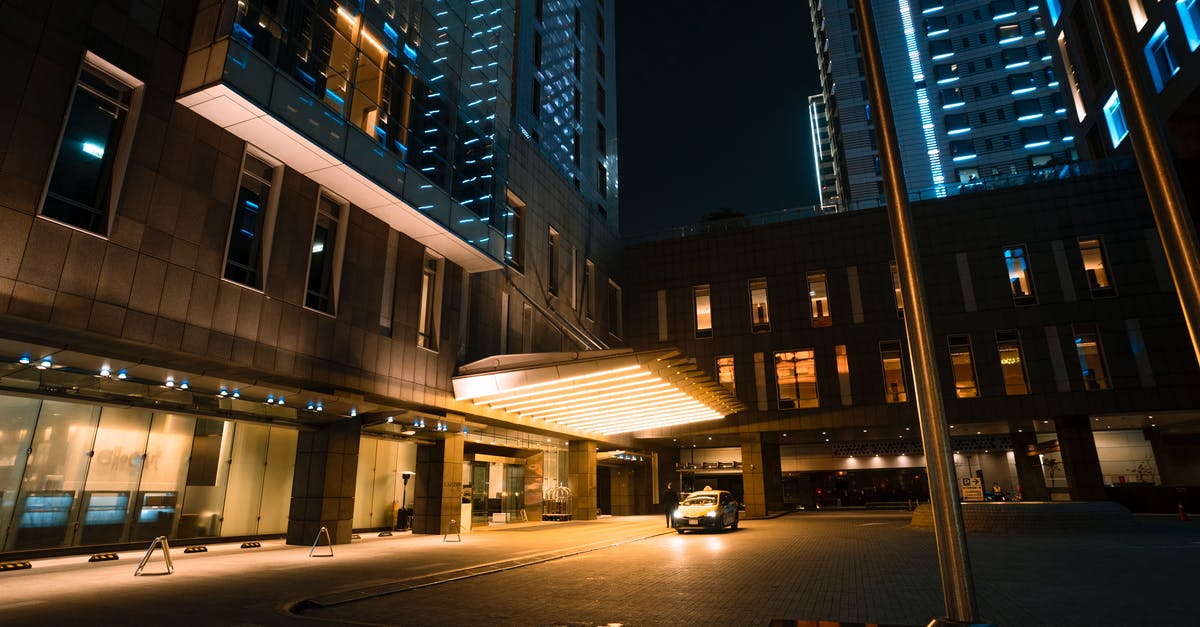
(76, 474)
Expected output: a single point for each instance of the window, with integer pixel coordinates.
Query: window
(1014, 57)
(514, 231)
(962, 150)
(760, 317)
(431, 302)
(1091, 357)
(1027, 109)
(601, 100)
(843, 370)
(614, 309)
(589, 289)
(1002, 9)
(89, 165)
(1019, 277)
(952, 98)
(601, 180)
(818, 299)
(1012, 366)
(896, 288)
(599, 61)
(601, 138)
(245, 255)
(537, 49)
(325, 258)
(962, 366)
(1054, 7)
(1117, 130)
(1008, 33)
(935, 26)
(1189, 16)
(1159, 58)
(536, 100)
(945, 73)
(957, 123)
(725, 373)
(1021, 83)
(701, 296)
(1095, 267)
(940, 49)
(894, 390)
(796, 379)
(552, 262)
(1035, 137)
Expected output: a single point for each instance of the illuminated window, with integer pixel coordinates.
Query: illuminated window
(1138, 12)
(1012, 363)
(702, 298)
(1008, 33)
(843, 370)
(962, 366)
(514, 236)
(256, 199)
(818, 299)
(325, 258)
(431, 302)
(1091, 357)
(1159, 58)
(1095, 267)
(796, 379)
(894, 389)
(1019, 277)
(1117, 129)
(89, 166)
(1021, 83)
(725, 374)
(1015, 57)
(552, 262)
(952, 98)
(896, 289)
(760, 318)
(1189, 16)
(1054, 7)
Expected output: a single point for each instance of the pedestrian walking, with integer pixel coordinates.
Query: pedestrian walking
(670, 501)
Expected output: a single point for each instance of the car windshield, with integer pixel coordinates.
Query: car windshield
(701, 499)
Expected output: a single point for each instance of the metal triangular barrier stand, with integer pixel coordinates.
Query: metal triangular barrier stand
(452, 528)
(166, 551)
(328, 542)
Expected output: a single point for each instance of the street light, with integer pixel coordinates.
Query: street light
(405, 475)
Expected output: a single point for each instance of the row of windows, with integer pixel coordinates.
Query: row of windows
(1016, 260)
(796, 370)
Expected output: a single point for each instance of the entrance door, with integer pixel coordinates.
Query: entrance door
(479, 493)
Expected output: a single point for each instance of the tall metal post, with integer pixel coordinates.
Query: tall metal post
(958, 589)
(1167, 201)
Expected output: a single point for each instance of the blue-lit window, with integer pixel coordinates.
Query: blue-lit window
(324, 261)
(1117, 129)
(936, 25)
(1158, 56)
(962, 150)
(1026, 110)
(244, 255)
(1014, 57)
(957, 124)
(1054, 7)
(1056, 103)
(1020, 278)
(1021, 83)
(1038, 25)
(1048, 72)
(1008, 33)
(940, 49)
(89, 165)
(932, 6)
(1002, 9)
(1035, 137)
(952, 98)
(946, 73)
(1189, 16)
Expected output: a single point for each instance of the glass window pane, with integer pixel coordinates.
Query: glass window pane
(163, 477)
(1019, 277)
(1091, 357)
(281, 465)
(796, 379)
(1012, 363)
(894, 388)
(243, 261)
(760, 319)
(818, 299)
(963, 367)
(1091, 250)
(323, 256)
(725, 374)
(115, 469)
(703, 304)
(208, 470)
(18, 417)
(843, 370)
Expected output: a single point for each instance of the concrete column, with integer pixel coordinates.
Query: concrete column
(581, 478)
(1081, 465)
(762, 477)
(323, 483)
(1029, 469)
(438, 495)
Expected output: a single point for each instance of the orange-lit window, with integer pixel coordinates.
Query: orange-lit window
(701, 295)
(760, 318)
(796, 379)
(818, 299)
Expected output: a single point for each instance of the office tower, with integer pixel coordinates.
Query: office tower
(972, 88)
(823, 158)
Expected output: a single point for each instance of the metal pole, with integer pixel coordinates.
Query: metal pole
(1167, 201)
(958, 590)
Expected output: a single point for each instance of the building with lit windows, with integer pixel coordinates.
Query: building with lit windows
(973, 90)
(823, 157)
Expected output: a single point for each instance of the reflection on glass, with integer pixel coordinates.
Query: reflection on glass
(760, 319)
(725, 372)
(796, 379)
(1091, 357)
(843, 370)
(818, 299)
(894, 389)
(703, 303)
(962, 366)
(116, 465)
(204, 496)
(18, 417)
(54, 475)
(1012, 366)
(1094, 267)
(1019, 278)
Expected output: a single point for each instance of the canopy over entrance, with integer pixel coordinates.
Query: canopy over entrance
(605, 392)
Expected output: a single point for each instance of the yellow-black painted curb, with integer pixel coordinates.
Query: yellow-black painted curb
(251, 545)
(5, 566)
(104, 557)
(196, 549)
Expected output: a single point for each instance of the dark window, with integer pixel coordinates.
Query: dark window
(243, 261)
(323, 257)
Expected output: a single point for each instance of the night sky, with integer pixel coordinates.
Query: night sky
(712, 109)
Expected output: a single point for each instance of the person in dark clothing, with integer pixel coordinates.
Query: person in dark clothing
(671, 502)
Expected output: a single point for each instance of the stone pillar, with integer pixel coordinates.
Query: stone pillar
(581, 478)
(438, 495)
(762, 476)
(1029, 468)
(323, 483)
(1081, 465)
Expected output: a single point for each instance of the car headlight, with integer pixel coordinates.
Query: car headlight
(679, 513)
(712, 514)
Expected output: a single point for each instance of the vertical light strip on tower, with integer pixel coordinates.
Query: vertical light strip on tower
(914, 61)
(815, 127)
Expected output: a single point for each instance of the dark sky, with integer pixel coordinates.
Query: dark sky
(712, 109)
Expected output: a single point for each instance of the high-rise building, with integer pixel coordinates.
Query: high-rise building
(972, 88)
(823, 158)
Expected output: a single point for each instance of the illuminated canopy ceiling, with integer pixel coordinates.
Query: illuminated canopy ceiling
(606, 392)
